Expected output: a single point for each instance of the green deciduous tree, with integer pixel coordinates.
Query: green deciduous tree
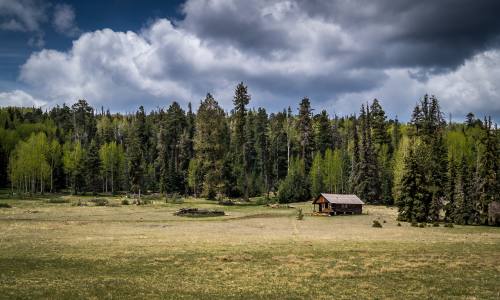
(73, 160)
(112, 158)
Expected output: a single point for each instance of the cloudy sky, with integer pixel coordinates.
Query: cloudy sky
(122, 53)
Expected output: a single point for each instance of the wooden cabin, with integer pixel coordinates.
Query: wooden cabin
(338, 204)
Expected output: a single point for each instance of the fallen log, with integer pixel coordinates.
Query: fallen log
(195, 212)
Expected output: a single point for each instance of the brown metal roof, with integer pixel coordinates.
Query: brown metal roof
(341, 199)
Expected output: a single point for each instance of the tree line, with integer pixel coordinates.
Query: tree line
(426, 166)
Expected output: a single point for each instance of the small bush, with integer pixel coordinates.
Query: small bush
(421, 225)
(376, 224)
(435, 224)
(100, 201)
(449, 225)
(264, 200)
(174, 198)
(384, 221)
(125, 202)
(414, 224)
(399, 224)
(5, 205)
(300, 214)
(79, 203)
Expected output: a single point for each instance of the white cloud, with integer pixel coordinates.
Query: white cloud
(64, 20)
(473, 87)
(164, 63)
(19, 98)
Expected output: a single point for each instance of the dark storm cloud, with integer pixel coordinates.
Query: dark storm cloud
(438, 35)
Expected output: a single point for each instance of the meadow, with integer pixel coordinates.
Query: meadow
(59, 250)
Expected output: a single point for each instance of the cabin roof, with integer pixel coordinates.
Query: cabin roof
(340, 199)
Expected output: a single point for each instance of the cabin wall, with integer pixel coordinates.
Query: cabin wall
(347, 208)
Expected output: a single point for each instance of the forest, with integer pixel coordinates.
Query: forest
(431, 169)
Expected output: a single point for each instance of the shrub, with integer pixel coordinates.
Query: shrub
(399, 224)
(414, 224)
(125, 202)
(174, 198)
(421, 225)
(80, 203)
(100, 201)
(264, 200)
(449, 225)
(376, 224)
(384, 221)
(435, 224)
(5, 205)
(300, 214)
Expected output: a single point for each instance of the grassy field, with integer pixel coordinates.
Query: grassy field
(51, 250)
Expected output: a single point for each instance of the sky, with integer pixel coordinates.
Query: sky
(121, 54)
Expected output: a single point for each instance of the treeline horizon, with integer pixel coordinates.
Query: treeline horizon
(431, 169)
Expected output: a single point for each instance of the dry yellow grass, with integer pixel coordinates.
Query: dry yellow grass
(63, 251)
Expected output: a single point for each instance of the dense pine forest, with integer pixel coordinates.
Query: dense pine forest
(431, 169)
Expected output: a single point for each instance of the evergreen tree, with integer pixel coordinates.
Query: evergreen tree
(368, 177)
(169, 150)
(323, 136)
(92, 168)
(240, 135)
(135, 159)
(413, 198)
(450, 207)
(211, 144)
(261, 130)
(464, 212)
(356, 159)
(278, 148)
(186, 142)
(249, 157)
(305, 131)
(84, 123)
(488, 185)
(379, 125)
(396, 134)
(428, 127)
